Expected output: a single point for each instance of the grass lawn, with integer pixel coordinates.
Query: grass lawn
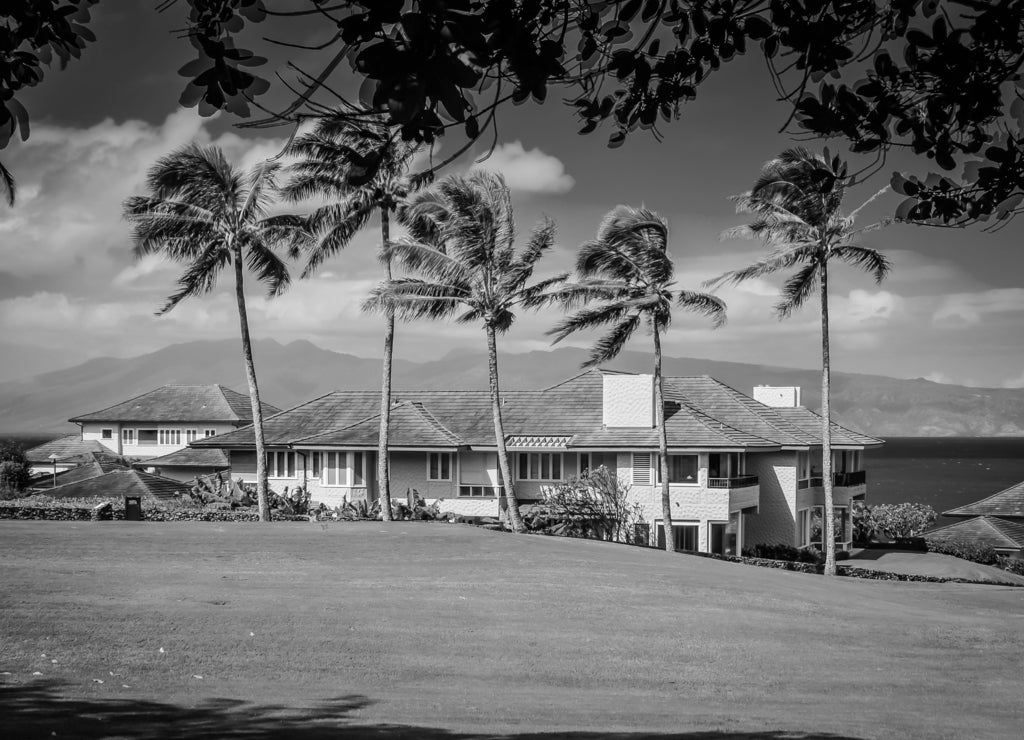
(414, 630)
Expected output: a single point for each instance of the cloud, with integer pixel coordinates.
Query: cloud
(530, 171)
(970, 309)
(1017, 382)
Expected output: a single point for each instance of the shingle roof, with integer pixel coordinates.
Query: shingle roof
(183, 403)
(71, 448)
(410, 425)
(189, 457)
(100, 465)
(985, 530)
(1009, 502)
(700, 412)
(119, 483)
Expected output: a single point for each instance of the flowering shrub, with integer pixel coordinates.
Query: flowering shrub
(594, 505)
(897, 521)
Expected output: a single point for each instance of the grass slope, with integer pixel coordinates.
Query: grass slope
(447, 631)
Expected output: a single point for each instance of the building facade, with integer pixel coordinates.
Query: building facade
(740, 471)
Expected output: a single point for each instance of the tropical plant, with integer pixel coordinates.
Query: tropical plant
(896, 521)
(628, 271)
(461, 248)
(202, 212)
(7, 185)
(795, 206)
(593, 505)
(335, 165)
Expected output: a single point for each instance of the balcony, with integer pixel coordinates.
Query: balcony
(841, 480)
(743, 481)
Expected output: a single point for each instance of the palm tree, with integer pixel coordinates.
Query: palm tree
(202, 212)
(628, 270)
(461, 248)
(334, 164)
(795, 205)
(7, 185)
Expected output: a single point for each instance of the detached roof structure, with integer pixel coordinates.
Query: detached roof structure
(181, 403)
(70, 449)
(119, 483)
(1000, 534)
(700, 413)
(1006, 503)
(101, 464)
(189, 457)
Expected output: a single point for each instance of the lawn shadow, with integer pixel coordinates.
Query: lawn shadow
(41, 710)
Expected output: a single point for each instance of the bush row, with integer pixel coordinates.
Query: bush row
(67, 513)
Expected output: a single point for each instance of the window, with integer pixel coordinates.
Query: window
(147, 436)
(686, 536)
(478, 491)
(128, 436)
(281, 464)
(342, 468)
(106, 433)
(584, 463)
(811, 525)
(540, 466)
(315, 464)
(681, 469)
(439, 466)
(191, 435)
(170, 436)
(209, 432)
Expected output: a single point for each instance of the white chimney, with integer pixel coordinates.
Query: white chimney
(628, 401)
(786, 397)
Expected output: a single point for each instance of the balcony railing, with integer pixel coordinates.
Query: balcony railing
(855, 478)
(743, 481)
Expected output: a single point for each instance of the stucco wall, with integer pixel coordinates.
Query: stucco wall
(775, 520)
(628, 401)
(92, 430)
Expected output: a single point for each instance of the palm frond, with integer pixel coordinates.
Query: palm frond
(423, 215)
(608, 347)
(413, 299)
(589, 318)
(268, 267)
(334, 227)
(199, 278)
(869, 260)
(8, 185)
(540, 294)
(427, 260)
(797, 289)
(704, 304)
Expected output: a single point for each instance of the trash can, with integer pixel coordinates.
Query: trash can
(133, 508)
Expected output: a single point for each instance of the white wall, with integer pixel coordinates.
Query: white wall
(628, 401)
(150, 450)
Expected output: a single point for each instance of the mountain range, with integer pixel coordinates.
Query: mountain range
(292, 373)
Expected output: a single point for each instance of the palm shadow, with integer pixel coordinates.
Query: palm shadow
(42, 710)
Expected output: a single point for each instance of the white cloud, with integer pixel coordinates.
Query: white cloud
(530, 171)
(969, 309)
(1017, 382)
(937, 377)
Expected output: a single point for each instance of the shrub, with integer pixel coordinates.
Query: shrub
(1011, 565)
(785, 552)
(898, 521)
(864, 528)
(973, 551)
(14, 478)
(594, 505)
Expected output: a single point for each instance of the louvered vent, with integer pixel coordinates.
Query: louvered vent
(642, 468)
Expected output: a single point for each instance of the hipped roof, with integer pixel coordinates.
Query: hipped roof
(700, 413)
(181, 403)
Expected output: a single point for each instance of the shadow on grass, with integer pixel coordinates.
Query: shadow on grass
(39, 710)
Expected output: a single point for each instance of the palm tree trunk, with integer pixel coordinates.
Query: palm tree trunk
(262, 498)
(826, 432)
(499, 434)
(659, 416)
(383, 456)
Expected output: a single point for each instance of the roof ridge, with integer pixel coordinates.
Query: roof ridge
(436, 423)
(983, 500)
(572, 378)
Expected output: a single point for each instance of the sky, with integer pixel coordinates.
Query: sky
(951, 311)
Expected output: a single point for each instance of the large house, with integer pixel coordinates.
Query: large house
(740, 471)
(158, 426)
(996, 521)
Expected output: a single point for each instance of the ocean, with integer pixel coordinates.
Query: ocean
(943, 472)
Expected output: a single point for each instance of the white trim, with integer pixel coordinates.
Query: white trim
(277, 463)
(342, 464)
(128, 436)
(656, 466)
(440, 466)
(535, 464)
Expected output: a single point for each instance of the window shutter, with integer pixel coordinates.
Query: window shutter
(642, 468)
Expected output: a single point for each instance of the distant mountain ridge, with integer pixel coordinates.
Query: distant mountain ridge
(292, 373)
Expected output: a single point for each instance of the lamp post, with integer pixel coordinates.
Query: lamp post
(53, 458)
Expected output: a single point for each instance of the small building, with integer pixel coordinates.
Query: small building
(186, 464)
(167, 419)
(996, 521)
(62, 454)
(741, 472)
